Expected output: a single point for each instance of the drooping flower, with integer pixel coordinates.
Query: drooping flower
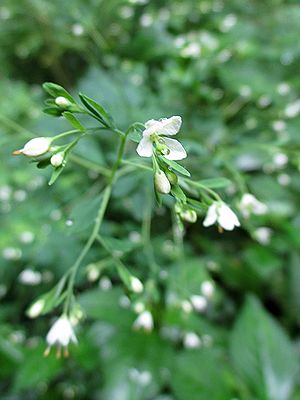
(144, 321)
(35, 147)
(154, 136)
(60, 335)
(250, 205)
(62, 102)
(220, 212)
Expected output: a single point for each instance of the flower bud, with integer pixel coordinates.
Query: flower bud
(162, 184)
(172, 177)
(35, 147)
(57, 159)
(189, 215)
(36, 308)
(136, 285)
(62, 102)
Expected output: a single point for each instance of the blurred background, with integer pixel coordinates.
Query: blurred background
(231, 70)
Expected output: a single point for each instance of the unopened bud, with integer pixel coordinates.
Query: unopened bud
(62, 102)
(162, 183)
(136, 285)
(35, 147)
(57, 159)
(189, 216)
(172, 177)
(36, 309)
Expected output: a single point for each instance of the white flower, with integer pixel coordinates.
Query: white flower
(35, 147)
(191, 340)
(62, 102)
(207, 289)
(30, 277)
(154, 135)
(36, 308)
(161, 182)
(250, 205)
(199, 302)
(219, 212)
(263, 235)
(57, 159)
(280, 160)
(60, 334)
(186, 306)
(136, 285)
(144, 321)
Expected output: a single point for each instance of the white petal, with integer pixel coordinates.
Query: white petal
(169, 126)
(177, 151)
(151, 122)
(144, 148)
(211, 216)
(227, 218)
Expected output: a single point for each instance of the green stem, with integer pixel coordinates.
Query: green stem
(97, 225)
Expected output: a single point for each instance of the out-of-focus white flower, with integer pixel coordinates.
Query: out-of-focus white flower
(139, 307)
(93, 272)
(199, 302)
(162, 184)
(142, 378)
(292, 109)
(20, 195)
(144, 322)
(30, 277)
(284, 179)
(228, 22)
(60, 335)
(250, 205)
(61, 101)
(26, 237)
(280, 160)
(35, 147)
(192, 50)
(146, 20)
(11, 253)
(57, 159)
(124, 301)
(283, 88)
(207, 288)
(264, 101)
(77, 29)
(136, 285)
(263, 235)
(186, 306)
(105, 283)
(220, 212)
(279, 125)
(36, 308)
(5, 192)
(191, 340)
(155, 136)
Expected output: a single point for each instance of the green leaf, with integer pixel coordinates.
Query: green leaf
(214, 183)
(55, 174)
(35, 369)
(174, 165)
(52, 111)
(73, 120)
(178, 193)
(56, 90)
(262, 354)
(97, 110)
(200, 375)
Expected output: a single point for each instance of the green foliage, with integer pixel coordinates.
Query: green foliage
(230, 70)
